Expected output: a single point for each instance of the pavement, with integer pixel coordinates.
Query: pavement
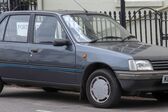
(17, 99)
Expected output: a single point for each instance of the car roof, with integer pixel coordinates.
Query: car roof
(61, 12)
(74, 12)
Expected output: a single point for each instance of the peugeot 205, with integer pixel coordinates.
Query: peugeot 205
(79, 51)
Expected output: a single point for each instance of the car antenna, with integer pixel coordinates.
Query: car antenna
(80, 6)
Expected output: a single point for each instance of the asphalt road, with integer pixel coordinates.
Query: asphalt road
(16, 99)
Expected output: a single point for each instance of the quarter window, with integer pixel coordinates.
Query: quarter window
(47, 29)
(17, 28)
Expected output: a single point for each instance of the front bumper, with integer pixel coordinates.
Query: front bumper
(142, 81)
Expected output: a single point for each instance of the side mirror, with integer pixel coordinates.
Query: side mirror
(60, 42)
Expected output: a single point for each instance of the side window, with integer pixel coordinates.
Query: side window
(17, 28)
(47, 29)
(2, 27)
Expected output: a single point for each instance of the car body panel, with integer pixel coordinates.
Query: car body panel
(13, 54)
(137, 50)
(52, 64)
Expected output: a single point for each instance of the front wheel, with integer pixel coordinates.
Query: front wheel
(103, 89)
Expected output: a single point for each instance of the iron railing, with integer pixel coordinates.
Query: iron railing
(13, 5)
(148, 26)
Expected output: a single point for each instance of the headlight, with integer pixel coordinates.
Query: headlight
(135, 65)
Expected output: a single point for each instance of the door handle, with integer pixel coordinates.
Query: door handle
(34, 50)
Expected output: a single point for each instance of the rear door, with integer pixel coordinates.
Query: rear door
(14, 47)
(51, 64)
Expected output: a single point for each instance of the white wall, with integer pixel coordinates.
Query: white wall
(92, 5)
(166, 2)
(99, 5)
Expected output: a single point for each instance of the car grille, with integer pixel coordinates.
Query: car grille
(160, 65)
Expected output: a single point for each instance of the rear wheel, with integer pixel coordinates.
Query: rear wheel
(50, 90)
(102, 89)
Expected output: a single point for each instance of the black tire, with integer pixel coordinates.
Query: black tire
(161, 95)
(50, 90)
(114, 92)
(1, 85)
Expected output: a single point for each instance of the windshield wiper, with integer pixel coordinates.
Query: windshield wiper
(128, 37)
(107, 37)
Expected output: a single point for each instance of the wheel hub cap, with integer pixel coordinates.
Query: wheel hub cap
(100, 89)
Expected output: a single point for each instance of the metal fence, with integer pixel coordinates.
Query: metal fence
(13, 5)
(148, 26)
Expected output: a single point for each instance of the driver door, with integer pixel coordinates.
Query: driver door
(53, 64)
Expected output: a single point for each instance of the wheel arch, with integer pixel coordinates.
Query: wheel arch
(87, 72)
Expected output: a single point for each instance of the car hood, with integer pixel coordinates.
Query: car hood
(137, 50)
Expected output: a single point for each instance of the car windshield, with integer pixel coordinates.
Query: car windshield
(90, 27)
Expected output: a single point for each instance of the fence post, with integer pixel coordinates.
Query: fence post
(130, 21)
(115, 15)
(135, 23)
(156, 28)
(151, 27)
(122, 14)
(161, 30)
(165, 15)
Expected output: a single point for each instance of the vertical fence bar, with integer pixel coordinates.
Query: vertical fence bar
(13, 3)
(145, 21)
(105, 24)
(8, 5)
(105, 12)
(115, 15)
(130, 21)
(135, 24)
(97, 26)
(34, 4)
(111, 32)
(20, 5)
(110, 14)
(161, 30)
(31, 5)
(122, 14)
(165, 14)
(101, 25)
(23, 4)
(140, 26)
(150, 22)
(3, 6)
(156, 28)
(106, 27)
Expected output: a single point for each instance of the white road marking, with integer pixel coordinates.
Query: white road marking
(42, 111)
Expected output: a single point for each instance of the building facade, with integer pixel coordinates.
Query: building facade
(99, 5)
